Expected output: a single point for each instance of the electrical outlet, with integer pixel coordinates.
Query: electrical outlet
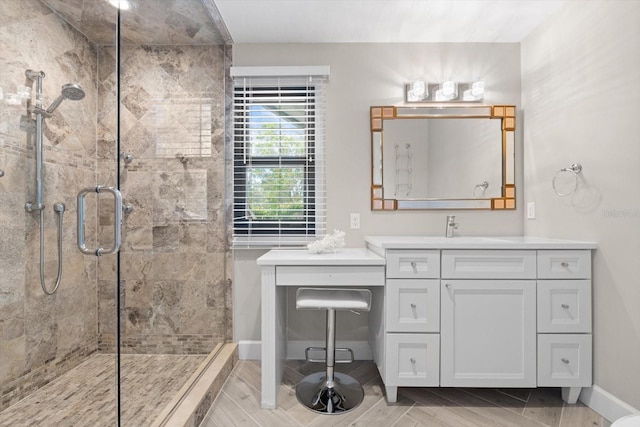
(355, 220)
(531, 210)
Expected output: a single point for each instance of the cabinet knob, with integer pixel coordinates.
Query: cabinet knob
(448, 285)
(564, 264)
(414, 266)
(565, 306)
(413, 360)
(413, 306)
(565, 361)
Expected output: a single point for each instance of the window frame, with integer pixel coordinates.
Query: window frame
(243, 162)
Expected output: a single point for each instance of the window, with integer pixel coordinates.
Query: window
(278, 160)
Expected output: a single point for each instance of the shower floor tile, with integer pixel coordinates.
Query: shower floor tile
(86, 395)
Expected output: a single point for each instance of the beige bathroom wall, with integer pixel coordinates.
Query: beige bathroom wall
(581, 104)
(363, 75)
(174, 250)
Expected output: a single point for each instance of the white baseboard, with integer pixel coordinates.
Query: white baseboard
(605, 403)
(249, 350)
(252, 350)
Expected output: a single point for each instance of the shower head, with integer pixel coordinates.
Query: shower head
(72, 91)
(69, 91)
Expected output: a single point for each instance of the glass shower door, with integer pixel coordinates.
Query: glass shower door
(54, 369)
(172, 264)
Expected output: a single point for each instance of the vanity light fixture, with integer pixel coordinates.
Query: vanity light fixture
(447, 91)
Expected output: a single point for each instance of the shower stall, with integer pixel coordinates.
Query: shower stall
(112, 135)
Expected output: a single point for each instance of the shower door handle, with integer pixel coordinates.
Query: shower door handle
(117, 206)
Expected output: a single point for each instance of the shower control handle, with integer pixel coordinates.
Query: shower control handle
(117, 226)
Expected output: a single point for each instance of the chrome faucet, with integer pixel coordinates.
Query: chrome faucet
(451, 225)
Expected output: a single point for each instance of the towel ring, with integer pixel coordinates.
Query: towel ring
(575, 169)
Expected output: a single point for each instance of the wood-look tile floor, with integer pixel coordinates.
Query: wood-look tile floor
(238, 404)
(86, 395)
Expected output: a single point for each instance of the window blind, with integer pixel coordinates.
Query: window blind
(279, 144)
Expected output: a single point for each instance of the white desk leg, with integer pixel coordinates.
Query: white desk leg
(273, 337)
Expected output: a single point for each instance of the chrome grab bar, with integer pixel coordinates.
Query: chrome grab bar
(117, 197)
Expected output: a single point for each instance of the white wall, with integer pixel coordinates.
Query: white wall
(363, 75)
(581, 103)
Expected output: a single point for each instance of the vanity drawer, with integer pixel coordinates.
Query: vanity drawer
(413, 305)
(564, 306)
(564, 360)
(491, 264)
(323, 275)
(413, 360)
(413, 264)
(564, 264)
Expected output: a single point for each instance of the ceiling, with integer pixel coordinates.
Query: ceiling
(383, 21)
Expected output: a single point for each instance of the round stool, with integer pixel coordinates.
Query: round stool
(331, 392)
(628, 421)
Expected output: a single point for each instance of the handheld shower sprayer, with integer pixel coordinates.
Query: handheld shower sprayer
(69, 91)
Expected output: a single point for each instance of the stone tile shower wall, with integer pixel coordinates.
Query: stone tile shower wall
(43, 336)
(174, 288)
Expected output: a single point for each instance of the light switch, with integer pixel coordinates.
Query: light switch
(355, 220)
(531, 210)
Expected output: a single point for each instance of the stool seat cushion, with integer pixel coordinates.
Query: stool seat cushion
(333, 298)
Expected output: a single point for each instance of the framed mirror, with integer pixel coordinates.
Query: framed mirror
(443, 157)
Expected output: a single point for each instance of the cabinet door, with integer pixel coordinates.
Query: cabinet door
(564, 264)
(488, 333)
(564, 306)
(412, 360)
(488, 264)
(413, 264)
(413, 305)
(564, 360)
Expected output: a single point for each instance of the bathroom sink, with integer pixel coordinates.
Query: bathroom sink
(461, 239)
(379, 243)
(441, 242)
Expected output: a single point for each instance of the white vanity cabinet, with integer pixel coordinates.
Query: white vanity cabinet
(412, 320)
(564, 321)
(485, 312)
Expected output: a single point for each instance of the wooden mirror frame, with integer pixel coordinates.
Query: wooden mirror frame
(505, 113)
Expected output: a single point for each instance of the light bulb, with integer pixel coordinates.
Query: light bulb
(121, 4)
(419, 88)
(449, 89)
(477, 89)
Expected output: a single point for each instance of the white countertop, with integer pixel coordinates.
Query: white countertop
(343, 256)
(473, 242)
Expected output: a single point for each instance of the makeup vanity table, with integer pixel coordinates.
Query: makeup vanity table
(283, 269)
(451, 312)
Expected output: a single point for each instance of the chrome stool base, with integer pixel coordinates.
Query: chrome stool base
(345, 395)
